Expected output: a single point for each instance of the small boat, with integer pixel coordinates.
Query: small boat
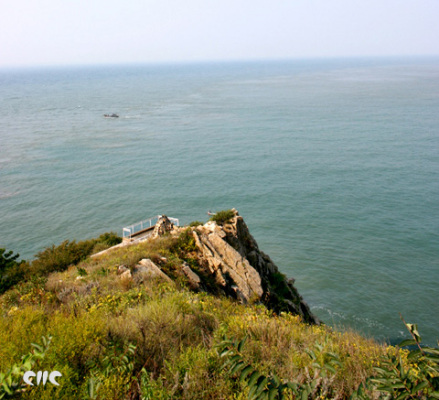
(210, 213)
(111, 115)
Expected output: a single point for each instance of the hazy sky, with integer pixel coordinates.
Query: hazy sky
(42, 32)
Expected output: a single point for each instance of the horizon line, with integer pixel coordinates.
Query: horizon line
(214, 61)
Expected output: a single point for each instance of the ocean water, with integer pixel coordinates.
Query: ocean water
(334, 164)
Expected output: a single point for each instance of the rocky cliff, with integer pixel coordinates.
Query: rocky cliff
(225, 258)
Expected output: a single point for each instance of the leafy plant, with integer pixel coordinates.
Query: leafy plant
(405, 376)
(117, 365)
(92, 388)
(270, 386)
(11, 382)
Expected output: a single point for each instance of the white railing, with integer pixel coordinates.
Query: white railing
(131, 230)
(175, 221)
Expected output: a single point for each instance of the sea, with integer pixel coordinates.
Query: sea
(333, 163)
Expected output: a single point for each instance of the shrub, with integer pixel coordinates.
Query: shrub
(18, 328)
(221, 217)
(279, 284)
(59, 258)
(7, 260)
(11, 270)
(185, 243)
(159, 340)
(196, 223)
(110, 239)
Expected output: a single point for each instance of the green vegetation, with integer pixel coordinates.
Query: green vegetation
(196, 223)
(113, 338)
(278, 282)
(185, 243)
(54, 258)
(11, 270)
(411, 374)
(58, 258)
(221, 217)
(8, 260)
(397, 374)
(11, 382)
(272, 387)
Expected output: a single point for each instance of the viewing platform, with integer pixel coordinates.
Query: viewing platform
(141, 230)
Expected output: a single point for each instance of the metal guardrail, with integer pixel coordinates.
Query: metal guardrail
(131, 230)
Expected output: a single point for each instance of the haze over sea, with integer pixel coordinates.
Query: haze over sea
(334, 164)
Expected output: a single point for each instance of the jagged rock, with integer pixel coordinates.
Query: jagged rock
(162, 226)
(146, 269)
(194, 279)
(226, 264)
(231, 255)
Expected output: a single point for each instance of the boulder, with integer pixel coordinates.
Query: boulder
(126, 275)
(162, 226)
(146, 269)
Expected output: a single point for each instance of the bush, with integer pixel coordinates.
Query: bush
(221, 217)
(185, 243)
(109, 238)
(59, 258)
(196, 223)
(278, 282)
(11, 270)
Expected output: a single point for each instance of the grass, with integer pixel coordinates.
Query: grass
(158, 340)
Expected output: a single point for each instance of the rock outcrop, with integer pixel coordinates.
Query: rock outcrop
(233, 255)
(231, 270)
(226, 259)
(162, 226)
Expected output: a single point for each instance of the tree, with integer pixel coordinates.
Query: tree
(10, 271)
